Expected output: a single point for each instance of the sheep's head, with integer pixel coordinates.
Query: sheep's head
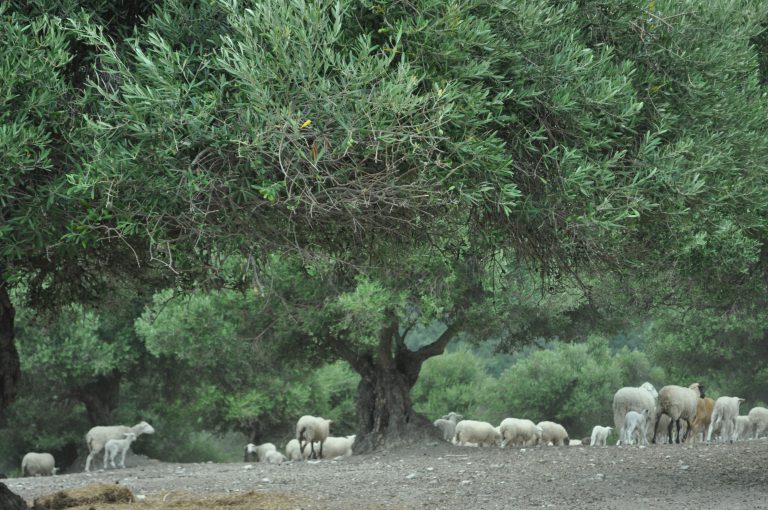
(130, 436)
(698, 387)
(145, 428)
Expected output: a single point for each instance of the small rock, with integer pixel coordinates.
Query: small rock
(248, 466)
(684, 467)
(410, 476)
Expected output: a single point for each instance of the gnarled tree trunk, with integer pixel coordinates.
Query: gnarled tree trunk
(385, 413)
(100, 397)
(10, 368)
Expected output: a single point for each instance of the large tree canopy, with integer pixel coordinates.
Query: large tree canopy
(380, 166)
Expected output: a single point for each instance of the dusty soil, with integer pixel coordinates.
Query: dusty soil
(437, 476)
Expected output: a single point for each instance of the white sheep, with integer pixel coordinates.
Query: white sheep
(599, 435)
(554, 433)
(261, 450)
(725, 413)
(338, 446)
(97, 437)
(519, 432)
(38, 464)
(310, 429)
(743, 428)
(635, 425)
(293, 451)
(631, 398)
(274, 457)
(118, 446)
(447, 425)
(680, 404)
(758, 419)
(480, 432)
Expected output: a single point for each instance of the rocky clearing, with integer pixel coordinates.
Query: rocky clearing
(441, 476)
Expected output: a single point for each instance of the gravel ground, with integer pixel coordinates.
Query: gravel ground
(699, 476)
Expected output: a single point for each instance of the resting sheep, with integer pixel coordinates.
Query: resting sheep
(635, 425)
(118, 446)
(97, 437)
(274, 457)
(260, 451)
(38, 464)
(447, 425)
(599, 435)
(519, 432)
(758, 419)
(293, 452)
(480, 432)
(680, 404)
(631, 398)
(554, 433)
(311, 429)
(725, 413)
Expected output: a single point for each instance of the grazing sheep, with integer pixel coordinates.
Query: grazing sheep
(115, 446)
(631, 398)
(635, 425)
(758, 418)
(701, 422)
(480, 432)
(311, 429)
(725, 413)
(519, 432)
(743, 428)
(293, 452)
(599, 435)
(38, 464)
(339, 446)
(447, 425)
(260, 451)
(274, 457)
(680, 404)
(575, 442)
(554, 433)
(97, 437)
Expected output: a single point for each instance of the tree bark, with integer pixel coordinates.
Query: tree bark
(10, 500)
(385, 413)
(100, 397)
(10, 368)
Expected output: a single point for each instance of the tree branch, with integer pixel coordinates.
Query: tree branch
(438, 346)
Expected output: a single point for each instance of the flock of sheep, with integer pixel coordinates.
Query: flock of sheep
(685, 413)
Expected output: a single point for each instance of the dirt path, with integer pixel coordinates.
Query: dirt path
(441, 476)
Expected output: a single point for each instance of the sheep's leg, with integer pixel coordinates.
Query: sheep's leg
(321, 449)
(669, 430)
(88, 462)
(122, 459)
(106, 458)
(655, 427)
(687, 431)
(312, 455)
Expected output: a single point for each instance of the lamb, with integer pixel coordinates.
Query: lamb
(38, 464)
(743, 428)
(758, 419)
(519, 432)
(725, 412)
(704, 408)
(630, 398)
(680, 404)
(635, 424)
(115, 446)
(339, 446)
(554, 433)
(447, 425)
(274, 457)
(599, 435)
(293, 452)
(261, 451)
(480, 432)
(310, 429)
(97, 437)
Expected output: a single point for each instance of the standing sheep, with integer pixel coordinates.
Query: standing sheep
(260, 451)
(758, 419)
(118, 446)
(704, 408)
(310, 429)
(635, 425)
(447, 425)
(339, 446)
(725, 413)
(743, 428)
(480, 432)
(554, 433)
(519, 432)
(97, 437)
(38, 464)
(599, 435)
(630, 398)
(680, 404)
